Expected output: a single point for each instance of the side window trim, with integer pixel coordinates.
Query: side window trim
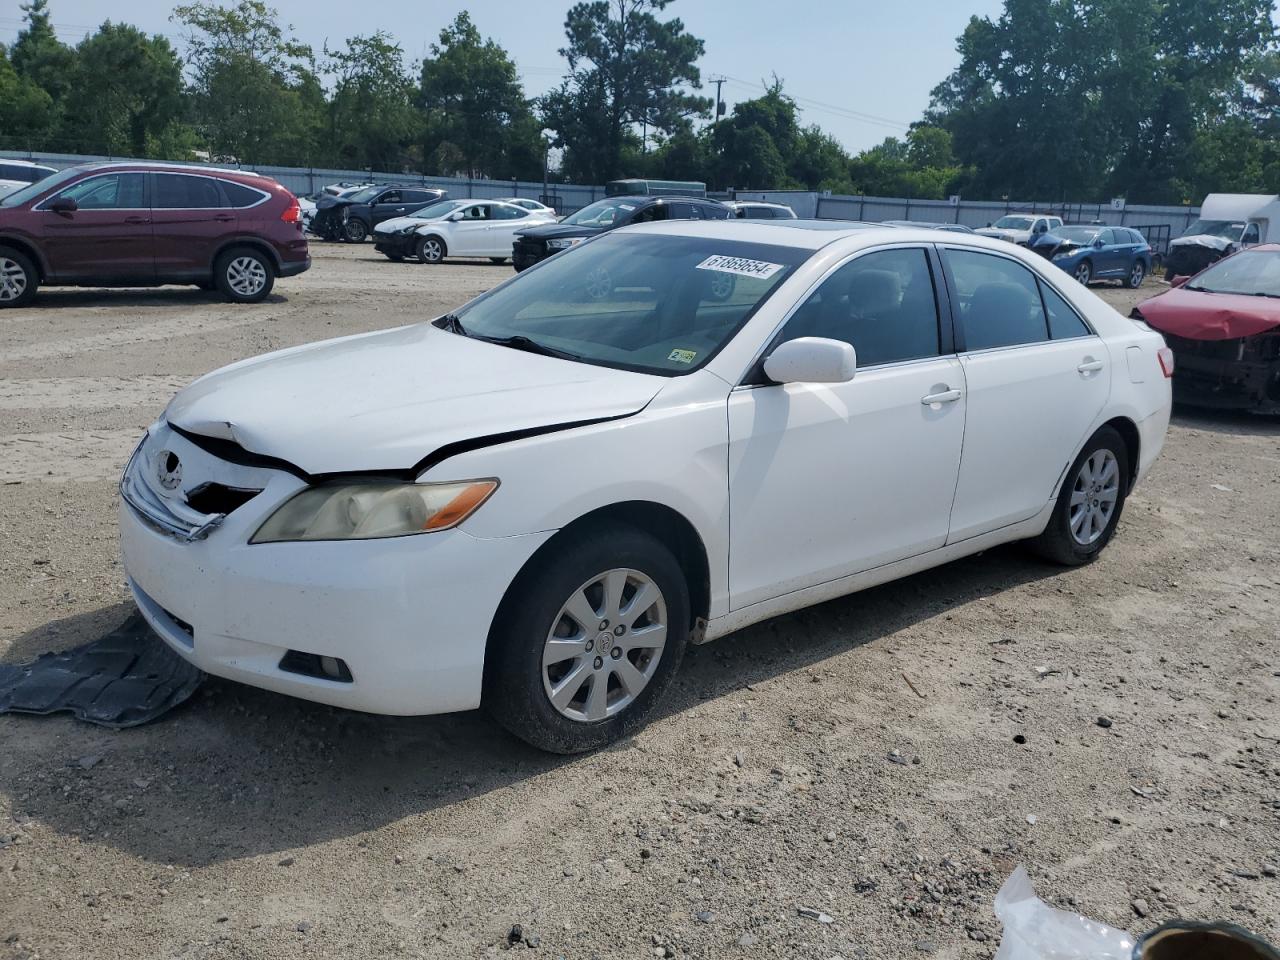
(961, 346)
(754, 373)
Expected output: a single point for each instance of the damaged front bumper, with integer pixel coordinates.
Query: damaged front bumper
(1236, 374)
(406, 618)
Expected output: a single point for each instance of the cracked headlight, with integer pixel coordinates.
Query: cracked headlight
(373, 510)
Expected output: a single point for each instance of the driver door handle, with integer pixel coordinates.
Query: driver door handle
(136, 220)
(1090, 366)
(947, 396)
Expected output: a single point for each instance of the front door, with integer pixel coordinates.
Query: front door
(826, 480)
(470, 231)
(108, 236)
(388, 206)
(192, 220)
(1037, 378)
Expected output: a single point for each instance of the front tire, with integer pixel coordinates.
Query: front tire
(355, 231)
(431, 250)
(1083, 272)
(587, 640)
(244, 275)
(1089, 504)
(19, 278)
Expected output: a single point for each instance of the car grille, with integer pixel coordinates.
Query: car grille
(204, 510)
(527, 249)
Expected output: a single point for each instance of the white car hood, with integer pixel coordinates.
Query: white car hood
(1201, 240)
(386, 401)
(396, 224)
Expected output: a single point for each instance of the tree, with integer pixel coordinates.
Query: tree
(1085, 100)
(26, 111)
(476, 119)
(372, 120)
(126, 96)
(39, 55)
(627, 68)
(921, 166)
(256, 94)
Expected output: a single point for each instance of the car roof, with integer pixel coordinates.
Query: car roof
(756, 203)
(164, 166)
(26, 163)
(812, 234)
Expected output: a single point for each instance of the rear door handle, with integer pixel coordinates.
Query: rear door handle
(224, 218)
(137, 219)
(1090, 366)
(947, 396)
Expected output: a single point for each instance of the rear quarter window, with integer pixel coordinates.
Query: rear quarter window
(238, 195)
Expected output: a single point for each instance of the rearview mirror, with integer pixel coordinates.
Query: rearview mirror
(811, 360)
(64, 205)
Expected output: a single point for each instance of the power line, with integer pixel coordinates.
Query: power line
(846, 113)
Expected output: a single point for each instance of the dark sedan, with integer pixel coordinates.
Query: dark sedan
(353, 217)
(1224, 327)
(537, 243)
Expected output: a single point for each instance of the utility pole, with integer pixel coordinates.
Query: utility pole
(719, 109)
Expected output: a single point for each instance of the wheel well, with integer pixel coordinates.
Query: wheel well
(444, 244)
(28, 251)
(256, 245)
(1128, 431)
(675, 532)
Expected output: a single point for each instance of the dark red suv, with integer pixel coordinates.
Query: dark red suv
(145, 224)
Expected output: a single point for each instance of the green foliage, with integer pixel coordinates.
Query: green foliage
(39, 55)
(372, 119)
(125, 96)
(254, 87)
(923, 166)
(627, 69)
(475, 118)
(26, 111)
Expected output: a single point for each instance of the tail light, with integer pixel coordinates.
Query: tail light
(1165, 356)
(293, 212)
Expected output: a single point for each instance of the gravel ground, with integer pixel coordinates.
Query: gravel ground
(883, 760)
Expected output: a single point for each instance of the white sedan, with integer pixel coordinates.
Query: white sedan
(536, 503)
(533, 206)
(455, 228)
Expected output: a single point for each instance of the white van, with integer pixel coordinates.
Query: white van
(1228, 222)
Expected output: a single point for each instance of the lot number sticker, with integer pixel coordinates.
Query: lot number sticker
(740, 266)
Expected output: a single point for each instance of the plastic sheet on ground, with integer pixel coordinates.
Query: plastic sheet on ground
(1033, 930)
(127, 678)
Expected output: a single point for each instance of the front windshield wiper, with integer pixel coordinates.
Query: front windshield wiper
(521, 342)
(451, 323)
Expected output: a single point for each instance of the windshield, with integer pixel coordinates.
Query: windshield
(656, 304)
(1077, 234)
(603, 213)
(33, 190)
(1253, 273)
(1014, 223)
(443, 208)
(1224, 229)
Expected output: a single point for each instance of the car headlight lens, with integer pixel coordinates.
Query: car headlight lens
(372, 510)
(1065, 255)
(405, 231)
(565, 243)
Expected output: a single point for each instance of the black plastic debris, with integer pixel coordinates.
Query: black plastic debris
(127, 678)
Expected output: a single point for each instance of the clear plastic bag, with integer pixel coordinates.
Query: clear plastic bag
(1033, 930)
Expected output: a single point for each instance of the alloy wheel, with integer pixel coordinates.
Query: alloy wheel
(1084, 273)
(246, 276)
(13, 279)
(432, 251)
(604, 645)
(1137, 275)
(1094, 496)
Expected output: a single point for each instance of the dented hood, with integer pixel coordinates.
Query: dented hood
(386, 401)
(1196, 315)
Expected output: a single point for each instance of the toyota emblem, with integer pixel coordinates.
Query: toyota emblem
(169, 470)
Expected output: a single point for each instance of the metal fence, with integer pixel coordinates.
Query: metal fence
(569, 197)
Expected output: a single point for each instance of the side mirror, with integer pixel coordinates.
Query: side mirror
(1097, 244)
(1178, 281)
(64, 205)
(811, 360)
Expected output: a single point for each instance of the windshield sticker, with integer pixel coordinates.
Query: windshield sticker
(682, 356)
(742, 267)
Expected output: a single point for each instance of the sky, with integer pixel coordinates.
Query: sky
(860, 69)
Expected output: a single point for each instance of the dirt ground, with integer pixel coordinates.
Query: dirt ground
(864, 759)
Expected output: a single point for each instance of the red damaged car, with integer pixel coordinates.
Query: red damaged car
(1224, 327)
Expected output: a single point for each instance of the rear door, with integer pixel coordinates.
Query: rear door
(108, 236)
(1037, 377)
(504, 220)
(192, 219)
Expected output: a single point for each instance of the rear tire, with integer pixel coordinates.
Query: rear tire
(244, 275)
(608, 670)
(1082, 523)
(19, 278)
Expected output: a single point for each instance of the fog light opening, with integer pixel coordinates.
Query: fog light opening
(315, 665)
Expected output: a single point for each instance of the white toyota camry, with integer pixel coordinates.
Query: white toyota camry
(535, 503)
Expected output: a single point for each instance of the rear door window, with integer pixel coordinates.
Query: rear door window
(505, 211)
(999, 301)
(1064, 323)
(180, 192)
